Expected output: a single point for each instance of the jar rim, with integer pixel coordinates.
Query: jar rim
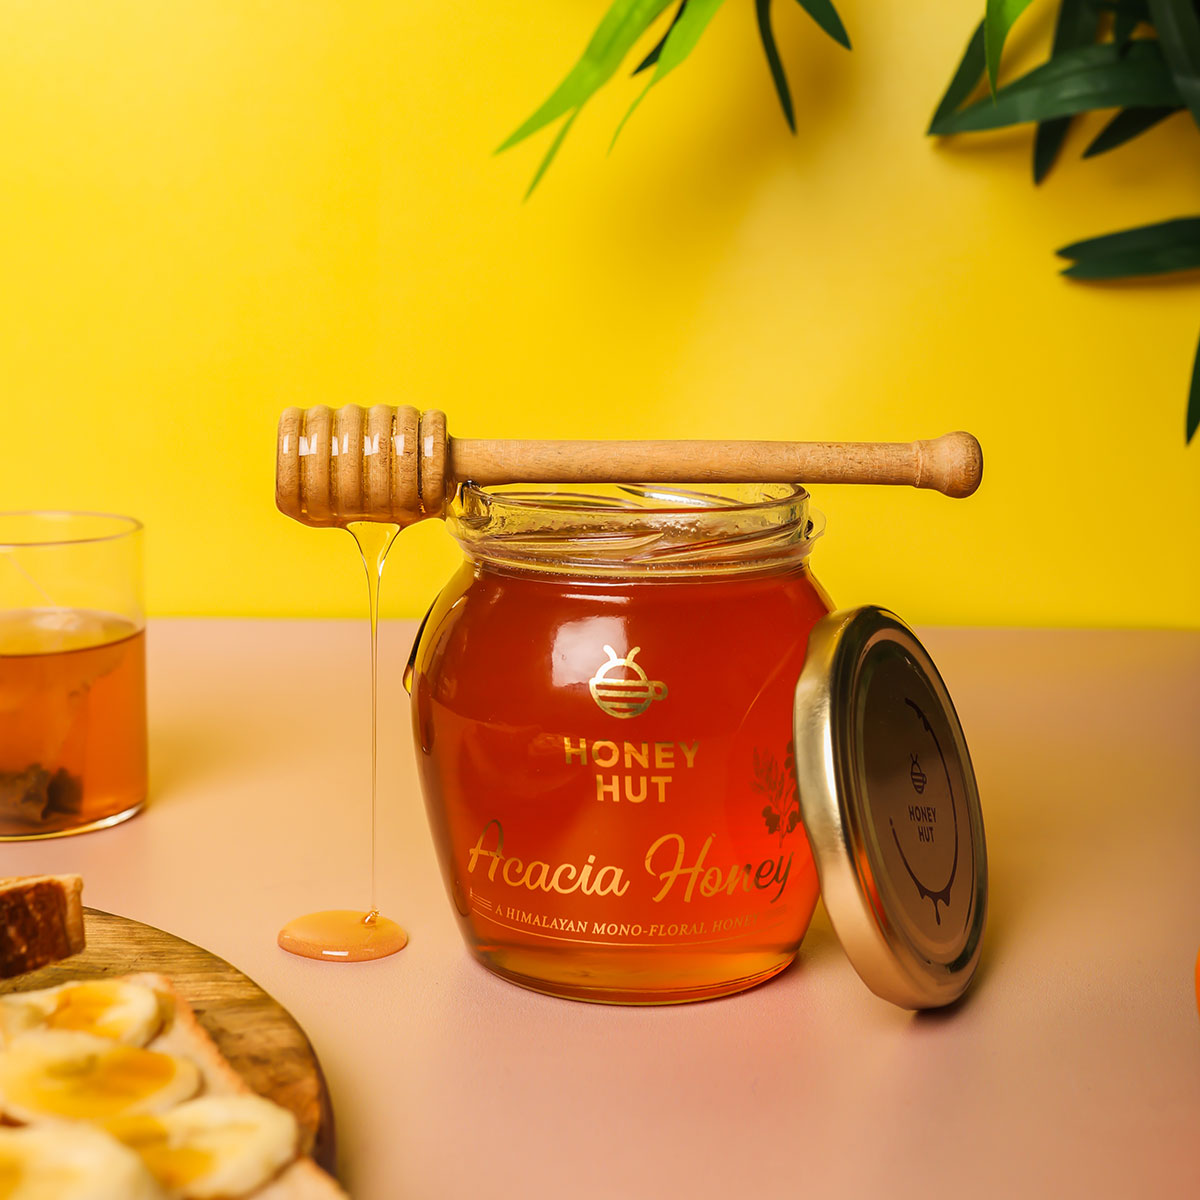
(560, 500)
(635, 528)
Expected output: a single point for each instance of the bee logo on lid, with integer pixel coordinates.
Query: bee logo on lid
(622, 689)
(918, 776)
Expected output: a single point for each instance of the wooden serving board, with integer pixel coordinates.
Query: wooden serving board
(259, 1037)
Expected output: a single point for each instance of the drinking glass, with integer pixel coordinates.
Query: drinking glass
(72, 673)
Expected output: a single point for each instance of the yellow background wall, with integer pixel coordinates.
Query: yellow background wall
(211, 209)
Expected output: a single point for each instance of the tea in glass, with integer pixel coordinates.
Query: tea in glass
(72, 673)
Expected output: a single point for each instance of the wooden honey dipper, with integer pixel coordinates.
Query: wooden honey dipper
(395, 464)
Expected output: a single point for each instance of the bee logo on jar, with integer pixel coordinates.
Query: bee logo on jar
(622, 689)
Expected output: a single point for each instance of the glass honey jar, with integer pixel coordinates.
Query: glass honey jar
(602, 707)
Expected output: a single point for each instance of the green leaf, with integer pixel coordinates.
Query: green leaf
(1136, 264)
(969, 73)
(559, 137)
(999, 18)
(1076, 26)
(763, 8)
(615, 36)
(1178, 29)
(1077, 81)
(1134, 12)
(1128, 124)
(653, 56)
(1082, 60)
(1143, 237)
(1193, 408)
(1147, 250)
(1126, 19)
(825, 15)
(681, 41)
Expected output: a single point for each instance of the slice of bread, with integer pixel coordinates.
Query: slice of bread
(183, 1035)
(41, 921)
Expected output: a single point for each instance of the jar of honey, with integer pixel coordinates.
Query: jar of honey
(602, 707)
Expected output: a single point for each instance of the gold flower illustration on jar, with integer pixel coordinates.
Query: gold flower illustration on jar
(597, 693)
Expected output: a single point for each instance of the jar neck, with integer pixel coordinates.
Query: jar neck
(636, 531)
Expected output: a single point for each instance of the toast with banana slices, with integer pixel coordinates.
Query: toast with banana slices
(115, 1079)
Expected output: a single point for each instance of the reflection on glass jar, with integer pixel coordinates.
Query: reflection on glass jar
(602, 705)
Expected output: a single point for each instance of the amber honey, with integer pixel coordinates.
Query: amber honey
(341, 934)
(72, 720)
(605, 747)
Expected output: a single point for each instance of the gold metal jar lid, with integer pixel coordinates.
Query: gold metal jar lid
(891, 808)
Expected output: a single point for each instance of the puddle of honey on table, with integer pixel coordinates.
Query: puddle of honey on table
(343, 935)
(354, 935)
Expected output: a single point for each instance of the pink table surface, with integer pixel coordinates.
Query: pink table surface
(1073, 1067)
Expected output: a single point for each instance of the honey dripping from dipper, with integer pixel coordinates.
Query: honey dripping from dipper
(350, 935)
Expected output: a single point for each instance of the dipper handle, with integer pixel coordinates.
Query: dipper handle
(395, 464)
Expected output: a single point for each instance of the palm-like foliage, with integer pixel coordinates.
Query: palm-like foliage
(1096, 63)
(1144, 78)
(623, 25)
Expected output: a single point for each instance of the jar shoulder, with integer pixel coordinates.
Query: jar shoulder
(505, 626)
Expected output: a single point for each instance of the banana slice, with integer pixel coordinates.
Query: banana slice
(112, 1008)
(218, 1146)
(71, 1163)
(80, 1077)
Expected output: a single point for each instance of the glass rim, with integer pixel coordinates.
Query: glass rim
(130, 526)
(555, 499)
